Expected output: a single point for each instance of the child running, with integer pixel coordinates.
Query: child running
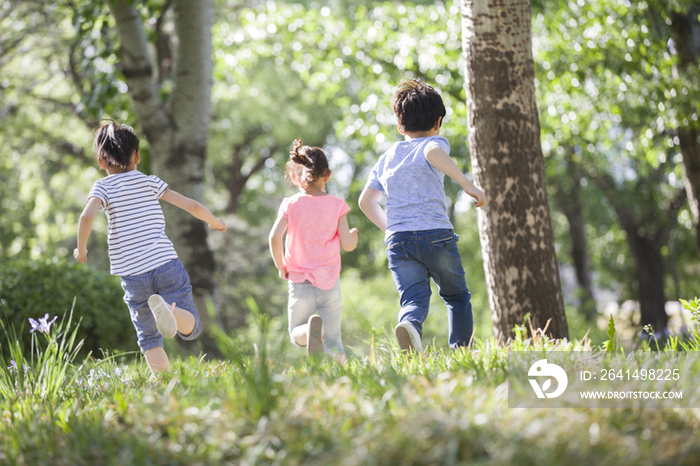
(315, 223)
(420, 241)
(152, 276)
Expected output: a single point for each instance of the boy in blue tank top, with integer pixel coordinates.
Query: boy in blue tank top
(420, 240)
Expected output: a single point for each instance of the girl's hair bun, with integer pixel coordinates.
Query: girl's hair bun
(114, 143)
(298, 155)
(307, 163)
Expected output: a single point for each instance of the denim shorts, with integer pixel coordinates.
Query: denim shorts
(170, 281)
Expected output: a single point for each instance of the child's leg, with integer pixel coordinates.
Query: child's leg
(185, 320)
(302, 305)
(157, 359)
(330, 308)
(446, 269)
(411, 278)
(137, 290)
(459, 311)
(173, 285)
(300, 334)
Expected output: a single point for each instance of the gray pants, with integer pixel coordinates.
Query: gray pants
(306, 300)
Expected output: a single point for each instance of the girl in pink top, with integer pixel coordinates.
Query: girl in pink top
(316, 224)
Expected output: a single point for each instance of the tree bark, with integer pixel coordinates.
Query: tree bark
(515, 228)
(685, 29)
(177, 131)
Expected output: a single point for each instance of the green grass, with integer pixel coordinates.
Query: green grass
(268, 404)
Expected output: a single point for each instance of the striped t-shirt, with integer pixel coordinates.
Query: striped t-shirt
(136, 236)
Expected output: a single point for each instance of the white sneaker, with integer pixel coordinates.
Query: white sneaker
(314, 342)
(408, 337)
(165, 320)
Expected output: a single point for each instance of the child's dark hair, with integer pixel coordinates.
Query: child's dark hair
(114, 143)
(417, 106)
(307, 163)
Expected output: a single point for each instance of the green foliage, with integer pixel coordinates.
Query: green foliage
(332, 73)
(610, 101)
(610, 344)
(444, 407)
(48, 370)
(539, 341)
(692, 342)
(34, 288)
(44, 128)
(694, 307)
(262, 388)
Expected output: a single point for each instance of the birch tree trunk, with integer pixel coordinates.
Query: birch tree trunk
(177, 129)
(515, 228)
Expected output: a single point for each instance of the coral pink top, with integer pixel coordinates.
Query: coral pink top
(312, 244)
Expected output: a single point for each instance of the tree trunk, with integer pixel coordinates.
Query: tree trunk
(515, 228)
(237, 178)
(690, 150)
(572, 207)
(686, 39)
(177, 131)
(646, 250)
(649, 272)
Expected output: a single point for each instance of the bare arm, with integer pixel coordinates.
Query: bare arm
(369, 204)
(85, 227)
(276, 247)
(348, 237)
(196, 209)
(441, 160)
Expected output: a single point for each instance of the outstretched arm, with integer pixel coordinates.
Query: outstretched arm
(441, 160)
(369, 204)
(196, 209)
(276, 248)
(348, 237)
(85, 227)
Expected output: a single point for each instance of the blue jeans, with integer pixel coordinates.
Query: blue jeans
(171, 281)
(305, 300)
(415, 257)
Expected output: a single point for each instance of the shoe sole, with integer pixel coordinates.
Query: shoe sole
(165, 320)
(404, 339)
(315, 343)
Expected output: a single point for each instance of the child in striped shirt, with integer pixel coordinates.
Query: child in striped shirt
(140, 253)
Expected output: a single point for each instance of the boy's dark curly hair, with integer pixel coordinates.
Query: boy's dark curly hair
(417, 106)
(114, 143)
(307, 163)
